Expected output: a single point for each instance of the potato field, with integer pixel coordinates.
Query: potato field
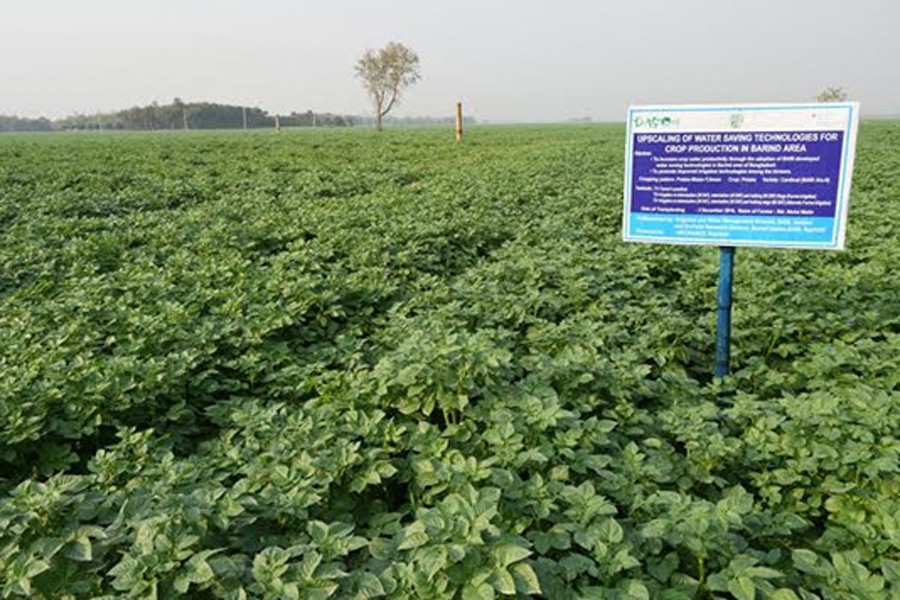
(338, 364)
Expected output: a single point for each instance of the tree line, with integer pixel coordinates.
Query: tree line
(203, 115)
(178, 115)
(8, 123)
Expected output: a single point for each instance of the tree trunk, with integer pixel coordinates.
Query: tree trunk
(379, 113)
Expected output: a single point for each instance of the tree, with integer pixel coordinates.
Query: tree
(181, 107)
(385, 73)
(832, 94)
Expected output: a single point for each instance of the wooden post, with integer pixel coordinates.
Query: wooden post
(459, 122)
(277, 124)
(244, 115)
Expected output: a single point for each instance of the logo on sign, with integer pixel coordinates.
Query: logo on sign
(655, 121)
(737, 119)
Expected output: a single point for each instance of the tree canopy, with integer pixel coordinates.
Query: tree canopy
(385, 74)
(832, 94)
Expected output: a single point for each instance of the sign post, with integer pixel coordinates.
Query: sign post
(749, 175)
(723, 316)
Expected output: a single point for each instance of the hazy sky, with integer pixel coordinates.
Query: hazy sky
(522, 60)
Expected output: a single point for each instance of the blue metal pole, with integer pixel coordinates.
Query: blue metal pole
(723, 318)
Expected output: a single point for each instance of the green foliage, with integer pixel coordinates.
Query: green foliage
(832, 94)
(340, 365)
(180, 115)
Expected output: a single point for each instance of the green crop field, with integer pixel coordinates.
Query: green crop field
(332, 364)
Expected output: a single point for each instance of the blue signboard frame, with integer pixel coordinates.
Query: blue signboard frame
(648, 222)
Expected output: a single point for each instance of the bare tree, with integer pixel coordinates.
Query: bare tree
(385, 73)
(832, 94)
(179, 103)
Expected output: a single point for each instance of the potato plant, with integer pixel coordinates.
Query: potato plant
(340, 365)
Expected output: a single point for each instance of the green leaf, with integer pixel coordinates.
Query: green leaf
(125, 573)
(587, 538)
(182, 583)
(662, 569)
(369, 586)
(79, 550)
(413, 536)
(199, 570)
(635, 590)
(763, 573)
(321, 591)
(742, 588)
(432, 559)
(504, 582)
(575, 565)
(481, 591)
(47, 547)
(806, 561)
(35, 568)
(526, 580)
(611, 531)
(507, 554)
(318, 531)
(309, 564)
(891, 571)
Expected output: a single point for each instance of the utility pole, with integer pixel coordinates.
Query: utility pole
(184, 120)
(244, 114)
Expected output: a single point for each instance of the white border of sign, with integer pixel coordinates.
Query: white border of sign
(756, 117)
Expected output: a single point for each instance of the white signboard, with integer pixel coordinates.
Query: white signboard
(764, 175)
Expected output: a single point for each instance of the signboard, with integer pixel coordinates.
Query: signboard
(763, 175)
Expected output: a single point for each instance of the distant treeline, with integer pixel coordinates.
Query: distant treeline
(177, 115)
(200, 115)
(20, 124)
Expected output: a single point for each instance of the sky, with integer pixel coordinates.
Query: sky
(510, 61)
